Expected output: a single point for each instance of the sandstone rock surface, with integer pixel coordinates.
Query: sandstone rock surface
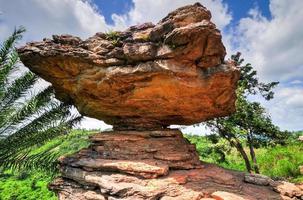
(126, 165)
(147, 77)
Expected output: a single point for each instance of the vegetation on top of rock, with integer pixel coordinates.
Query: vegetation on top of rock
(114, 37)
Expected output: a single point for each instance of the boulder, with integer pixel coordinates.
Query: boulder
(289, 190)
(146, 77)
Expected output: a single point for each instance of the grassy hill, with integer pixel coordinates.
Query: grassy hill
(278, 162)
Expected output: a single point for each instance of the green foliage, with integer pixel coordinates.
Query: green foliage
(28, 118)
(282, 161)
(113, 36)
(279, 162)
(62, 145)
(213, 152)
(250, 125)
(249, 83)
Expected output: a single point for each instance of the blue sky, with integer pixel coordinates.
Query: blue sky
(239, 8)
(108, 7)
(267, 32)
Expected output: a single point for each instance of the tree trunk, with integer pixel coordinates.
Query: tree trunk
(241, 150)
(237, 144)
(252, 153)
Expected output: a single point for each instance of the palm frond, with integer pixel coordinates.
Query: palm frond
(6, 68)
(28, 119)
(18, 89)
(23, 158)
(25, 112)
(8, 44)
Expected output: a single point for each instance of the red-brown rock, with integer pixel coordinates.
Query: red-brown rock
(141, 175)
(220, 195)
(289, 190)
(147, 77)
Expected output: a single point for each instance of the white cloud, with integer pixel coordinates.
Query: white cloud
(155, 10)
(274, 45)
(287, 108)
(45, 18)
(90, 123)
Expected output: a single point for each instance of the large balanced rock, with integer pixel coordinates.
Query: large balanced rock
(147, 77)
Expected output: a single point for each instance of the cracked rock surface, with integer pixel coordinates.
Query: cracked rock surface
(157, 165)
(146, 77)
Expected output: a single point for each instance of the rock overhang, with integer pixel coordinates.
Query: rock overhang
(147, 77)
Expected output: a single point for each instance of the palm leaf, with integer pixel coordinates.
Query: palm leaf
(26, 111)
(18, 89)
(28, 119)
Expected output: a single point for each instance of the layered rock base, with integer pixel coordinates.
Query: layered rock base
(154, 165)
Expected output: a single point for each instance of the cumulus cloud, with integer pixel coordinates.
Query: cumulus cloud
(154, 10)
(286, 108)
(45, 18)
(274, 45)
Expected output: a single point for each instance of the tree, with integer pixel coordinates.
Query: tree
(250, 124)
(27, 118)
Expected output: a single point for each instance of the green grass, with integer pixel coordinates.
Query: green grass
(282, 161)
(20, 186)
(279, 161)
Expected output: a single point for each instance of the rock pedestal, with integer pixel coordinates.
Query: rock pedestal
(139, 165)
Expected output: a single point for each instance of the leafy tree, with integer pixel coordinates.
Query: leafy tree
(28, 118)
(250, 125)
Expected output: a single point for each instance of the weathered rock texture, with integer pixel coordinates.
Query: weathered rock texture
(154, 165)
(147, 77)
